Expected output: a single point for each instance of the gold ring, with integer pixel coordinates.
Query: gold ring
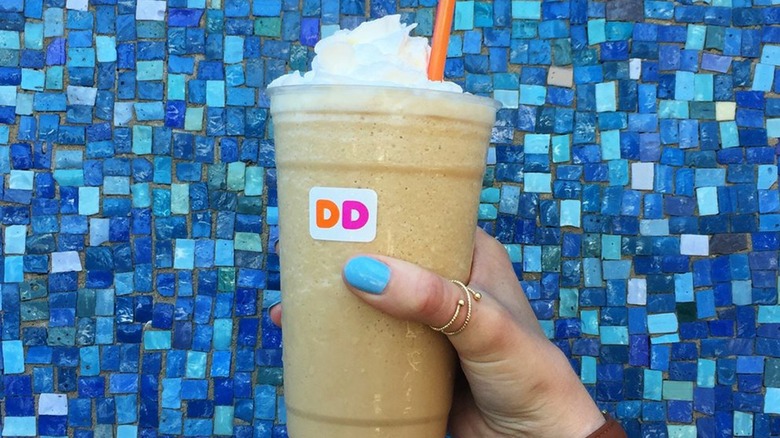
(469, 293)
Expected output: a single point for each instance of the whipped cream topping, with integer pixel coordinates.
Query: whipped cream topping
(378, 52)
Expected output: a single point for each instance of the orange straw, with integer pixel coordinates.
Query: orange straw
(441, 39)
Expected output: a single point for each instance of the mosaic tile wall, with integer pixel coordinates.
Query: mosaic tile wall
(633, 177)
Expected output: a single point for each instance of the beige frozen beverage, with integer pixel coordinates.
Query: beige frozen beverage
(371, 169)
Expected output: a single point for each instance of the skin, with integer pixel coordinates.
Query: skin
(514, 381)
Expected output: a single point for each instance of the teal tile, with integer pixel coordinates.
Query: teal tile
(150, 70)
(223, 420)
(674, 390)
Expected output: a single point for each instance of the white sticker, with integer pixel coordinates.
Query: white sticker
(342, 214)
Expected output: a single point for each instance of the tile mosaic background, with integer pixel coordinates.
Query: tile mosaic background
(633, 178)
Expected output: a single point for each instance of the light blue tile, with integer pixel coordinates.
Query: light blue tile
(610, 143)
(705, 375)
(106, 48)
(15, 239)
(561, 146)
(588, 370)
(662, 323)
(532, 94)
(772, 401)
(538, 183)
(14, 269)
(614, 335)
(742, 292)
(157, 340)
(606, 99)
(684, 86)
(696, 36)
(223, 330)
(196, 364)
(233, 49)
(184, 254)
(767, 176)
(707, 198)
(571, 213)
(537, 143)
(768, 314)
(508, 98)
(591, 271)
(590, 322)
(33, 35)
(653, 384)
(703, 86)
(729, 137)
(683, 287)
(464, 15)
(743, 423)
(532, 258)
(527, 10)
(770, 54)
(19, 426)
(9, 39)
(597, 31)
(13, 360)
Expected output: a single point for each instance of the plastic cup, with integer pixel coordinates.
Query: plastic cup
(371, 169)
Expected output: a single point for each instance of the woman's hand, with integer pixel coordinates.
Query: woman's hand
(517, 383)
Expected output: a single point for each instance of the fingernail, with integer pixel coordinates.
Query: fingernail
(275, 303)
(367, 274)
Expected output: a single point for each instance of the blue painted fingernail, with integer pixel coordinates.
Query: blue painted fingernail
(367, 274)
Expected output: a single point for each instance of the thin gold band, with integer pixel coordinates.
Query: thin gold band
(469, 293)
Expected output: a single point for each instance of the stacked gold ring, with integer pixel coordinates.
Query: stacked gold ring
(469, 293)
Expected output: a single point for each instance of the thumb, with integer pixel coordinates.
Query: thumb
(409, 292)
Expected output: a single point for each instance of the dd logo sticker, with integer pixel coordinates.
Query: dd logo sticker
(342, 214)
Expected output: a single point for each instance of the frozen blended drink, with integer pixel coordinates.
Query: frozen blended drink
(391, 164)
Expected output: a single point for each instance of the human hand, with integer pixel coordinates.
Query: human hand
(517, 383)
